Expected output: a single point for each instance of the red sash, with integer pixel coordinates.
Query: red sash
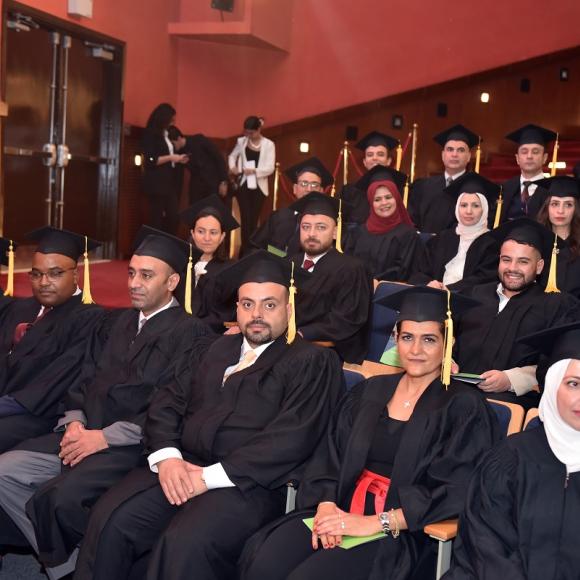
(373, 483)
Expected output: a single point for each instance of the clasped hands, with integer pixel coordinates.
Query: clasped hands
(78, 443)
(180, 480)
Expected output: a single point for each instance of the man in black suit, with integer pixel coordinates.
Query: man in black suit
(521, 196)
(99, 437)
(43, 339)
(431, 208)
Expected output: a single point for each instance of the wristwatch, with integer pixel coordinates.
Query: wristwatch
(384, 519)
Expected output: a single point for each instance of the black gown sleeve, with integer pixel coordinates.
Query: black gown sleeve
(487, 545)
(423, 271)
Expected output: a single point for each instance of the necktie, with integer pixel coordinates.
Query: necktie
(525, 195)
(141, 324)
(22, 328)
(448, 181)
(248, 359)
(308, 264)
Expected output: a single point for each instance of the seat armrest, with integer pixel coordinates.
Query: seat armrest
(444, 530)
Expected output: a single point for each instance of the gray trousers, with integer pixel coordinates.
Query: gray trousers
(21, 473)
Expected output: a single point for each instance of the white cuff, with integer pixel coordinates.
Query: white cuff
(522, 379)
(165, 453)
(215, 476)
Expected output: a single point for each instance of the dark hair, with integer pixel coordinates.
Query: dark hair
(253, 123)
(220, 253)
(543, 217)
(160, 118)
(399, 323)
(174, 133)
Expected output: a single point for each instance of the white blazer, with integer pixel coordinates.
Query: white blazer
(266, 163)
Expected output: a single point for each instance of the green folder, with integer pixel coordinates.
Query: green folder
(469, 378)
(349, 542)
(276, 251)
(391, 357)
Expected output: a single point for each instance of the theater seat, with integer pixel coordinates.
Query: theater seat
(509, 415)
(352, 378)
(532, 419)
(382, 320)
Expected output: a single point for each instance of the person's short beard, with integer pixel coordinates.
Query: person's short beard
(519, 287)
(258, 338)
(317, 251)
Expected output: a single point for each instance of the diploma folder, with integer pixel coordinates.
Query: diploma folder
(349, 542)
(468, 378)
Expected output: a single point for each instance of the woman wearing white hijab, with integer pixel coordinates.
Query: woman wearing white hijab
(523, 507)
(462, 256)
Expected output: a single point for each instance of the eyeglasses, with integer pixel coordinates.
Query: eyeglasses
(51, 275)
(309, 184)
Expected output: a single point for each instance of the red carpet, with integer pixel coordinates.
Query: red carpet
(108, 284)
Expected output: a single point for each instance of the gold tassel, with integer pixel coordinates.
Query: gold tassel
(498, 208)
(291, 300)
(339, 227)
(406, 193)
(555, 156)
(478, 156)
(10, 284)
(399, 157)
(551, 286)
(188, 281)
(87, 298)
(447, 345)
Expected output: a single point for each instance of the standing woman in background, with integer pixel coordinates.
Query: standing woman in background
(252, 160)
(161, 180)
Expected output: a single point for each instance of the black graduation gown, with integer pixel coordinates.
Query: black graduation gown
(389, 256)
(480, 267)
(486, 340)
(209, 302)
(41, 368)
(432, 209)
(262, 425)
(439, 449)
(5, 302)
(128, 373)
(334, 304)
(355, 204)
(568, 272)
(279, 230)
(512, 207)
(207, 166)
(521, 517)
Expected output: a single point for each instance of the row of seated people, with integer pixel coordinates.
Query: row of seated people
(153, 378)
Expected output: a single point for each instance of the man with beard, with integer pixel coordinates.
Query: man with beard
(516, 306)
(281, 228)
(432, 208)
(522, 196)
(376, 148)
(333, 305)
(99, 438)
(221, 447)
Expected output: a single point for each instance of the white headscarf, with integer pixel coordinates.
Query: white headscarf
(467, 234)
(564, 440)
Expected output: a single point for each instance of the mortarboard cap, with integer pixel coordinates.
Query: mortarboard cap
(382, 173)
(316, 203)
(557, 343)
(457, 133)
(163, 246)
(531, 134)
(214, 204)
(54, 241)
(561, 186)
(526, 231)
(422, 303)
(313, 165)
(471, 182)
(375, 138)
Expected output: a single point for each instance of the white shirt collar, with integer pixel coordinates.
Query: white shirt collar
(503, 299)
(453, 177)
(313, 258)
(170, 304)
(258, 350)
(535, 178)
